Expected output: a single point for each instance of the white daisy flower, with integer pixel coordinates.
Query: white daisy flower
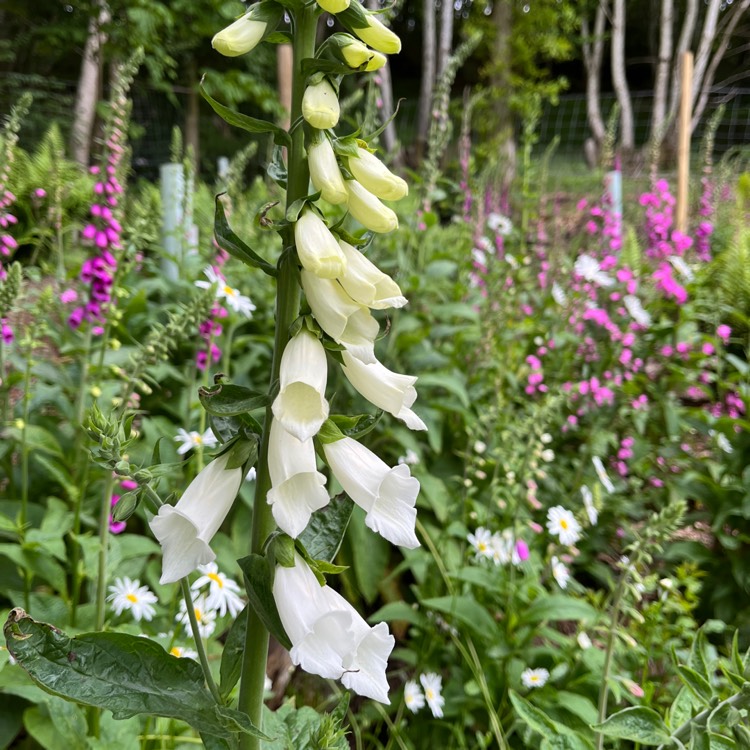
(500, 224)
(183, 653)
(481, 541)
(588, 504)
(636, 310)
(205, 616)
(411, 458)
(601, 472)
(193, 439)
(560, 572)
(562, 524)
(130, 595)
(534, 678)
(583, 640)
(479, 256)
(433, 687)
(501, 545)
(238, 302)
(223, 592)
(587, 268)
(413, 697)
(723, 442)
(558, 294)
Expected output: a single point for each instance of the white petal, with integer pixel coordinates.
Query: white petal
(296, 499)
(365, 283)
(368, 665)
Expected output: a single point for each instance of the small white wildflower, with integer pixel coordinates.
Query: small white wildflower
(223, 592)
(480, 256)
(433, 687)
(723, 442)
(183, 653)
(588, 504)
(205, 616)
(546, 438)
(411, 458)
(500, 224)
(583, 640)
(562, 524)
(130, 595)
(480, 447)
(413, 697)
(238, 302)
(558, 294)
(511, 261)
(681, 267)
(534, 678)
(193, 439)
(601, 472)
(548, 455)
(636, 310)
(560, 572)
(588, 268)
(481, 541)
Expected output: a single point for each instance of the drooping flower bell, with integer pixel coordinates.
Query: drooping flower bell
(186, 529)
(370, 30)
(320, 105)
(317, 248)
(373, 175)
(387, 495)
(366, 284)
(329, 637)
(324, 171)
(367, 209)
(247, 32)
(301, 405)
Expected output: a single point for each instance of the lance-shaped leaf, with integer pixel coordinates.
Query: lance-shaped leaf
(229, 400)
(231, 243)
(251, 124)
(637, 723)
(325, 532)
(125, 674)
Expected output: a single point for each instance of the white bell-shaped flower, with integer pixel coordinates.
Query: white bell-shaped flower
(388, 390)
(325, 173)
(373, 175)
(344, 320)
(329, 637)
(185, 530)
(387, 495)
(368, 210)
(247, 32)
(301, 405)
(365, 283)
(317, 248)
(320, 105)
(297, 487)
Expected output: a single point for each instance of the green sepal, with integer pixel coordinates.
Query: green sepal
(327, 568)
(308, 323)
(329, 433)
(229, 400)
(280, 549)
(293, 212)
(361, 242)
(261, 220)
(231, 243)
(250, 124)
(279, 37)
(346, 146)
(356, 427)
(244, 452)
(313, 66)
(125, 506)
(258, 582)
(354, 17)
(228, 428)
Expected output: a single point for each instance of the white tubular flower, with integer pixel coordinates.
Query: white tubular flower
(334, 6)
(389, 391)
(185, 530)
(301, 406)
(320, 105)
(376, 177)
(369, 211)
(366, 284)
(247, 32)
(388, 495)
(344, 320)
(325, 173)
(297, 487)
(317, 248)
(329, 637)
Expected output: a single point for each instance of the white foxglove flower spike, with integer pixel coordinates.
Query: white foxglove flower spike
(324, 171)
(317, 249)
(389, 391)
(329, 637)
(344, 320)
(368, 210)
(185, 530)
(366, 284)
(297, 487)
(387, 495)
(301, 405)
(376, 177)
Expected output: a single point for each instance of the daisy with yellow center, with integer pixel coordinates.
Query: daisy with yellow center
(481, 541)
(193, 439)
(534, 678)
(130, 595)
(238, 302)
(562, 524)
(433, 688)
(223, 593)
(205, 615)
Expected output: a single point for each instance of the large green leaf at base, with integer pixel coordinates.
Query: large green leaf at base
(123, 673)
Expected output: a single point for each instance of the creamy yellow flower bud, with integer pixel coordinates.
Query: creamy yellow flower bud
(325, 173)
(356, 53)
(378, 36)
(320, 105)
(368, 210)
(317, 248)
(334, 6)
(376, 177)
(377, 61)
(247, 32)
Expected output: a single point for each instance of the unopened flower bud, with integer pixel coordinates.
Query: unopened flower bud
(377, 61)
(317, 248)
(370, 30)
(356, 53)
(369, 211)
(376, 177)
(325, 173)
(247, 32)
(320, 105)
(334, 6)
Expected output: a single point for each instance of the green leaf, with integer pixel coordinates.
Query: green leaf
(394, 611)
(260, 592)
(36, 438)
(323, 535)
(696, 683)
(370, 554)
(454, 383)
(681, 709)
(558, 607)
(251, 124)
(229, 400)
(231, 243)
(123, 673)
(293, 212)
(57, 724)
(637, 723)
(720, 742)
(466, 610)
(578, 705)
(534, 717)
(356, 427)
(231, 657)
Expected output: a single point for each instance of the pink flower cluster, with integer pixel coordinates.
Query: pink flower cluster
(210, 329)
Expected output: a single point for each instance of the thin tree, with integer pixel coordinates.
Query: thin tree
(427, 85)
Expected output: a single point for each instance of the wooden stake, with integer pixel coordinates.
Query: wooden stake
(683, 142)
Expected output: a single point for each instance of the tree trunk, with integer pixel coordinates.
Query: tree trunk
(428, 77)
(683, 45)
(619, 78)
(445, 44)
(192, 115)
(84, 110)
(593, 52)
(708, 34)
(502, 18)
(661, 80)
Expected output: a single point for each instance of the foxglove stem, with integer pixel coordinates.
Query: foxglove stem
(304, 23)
